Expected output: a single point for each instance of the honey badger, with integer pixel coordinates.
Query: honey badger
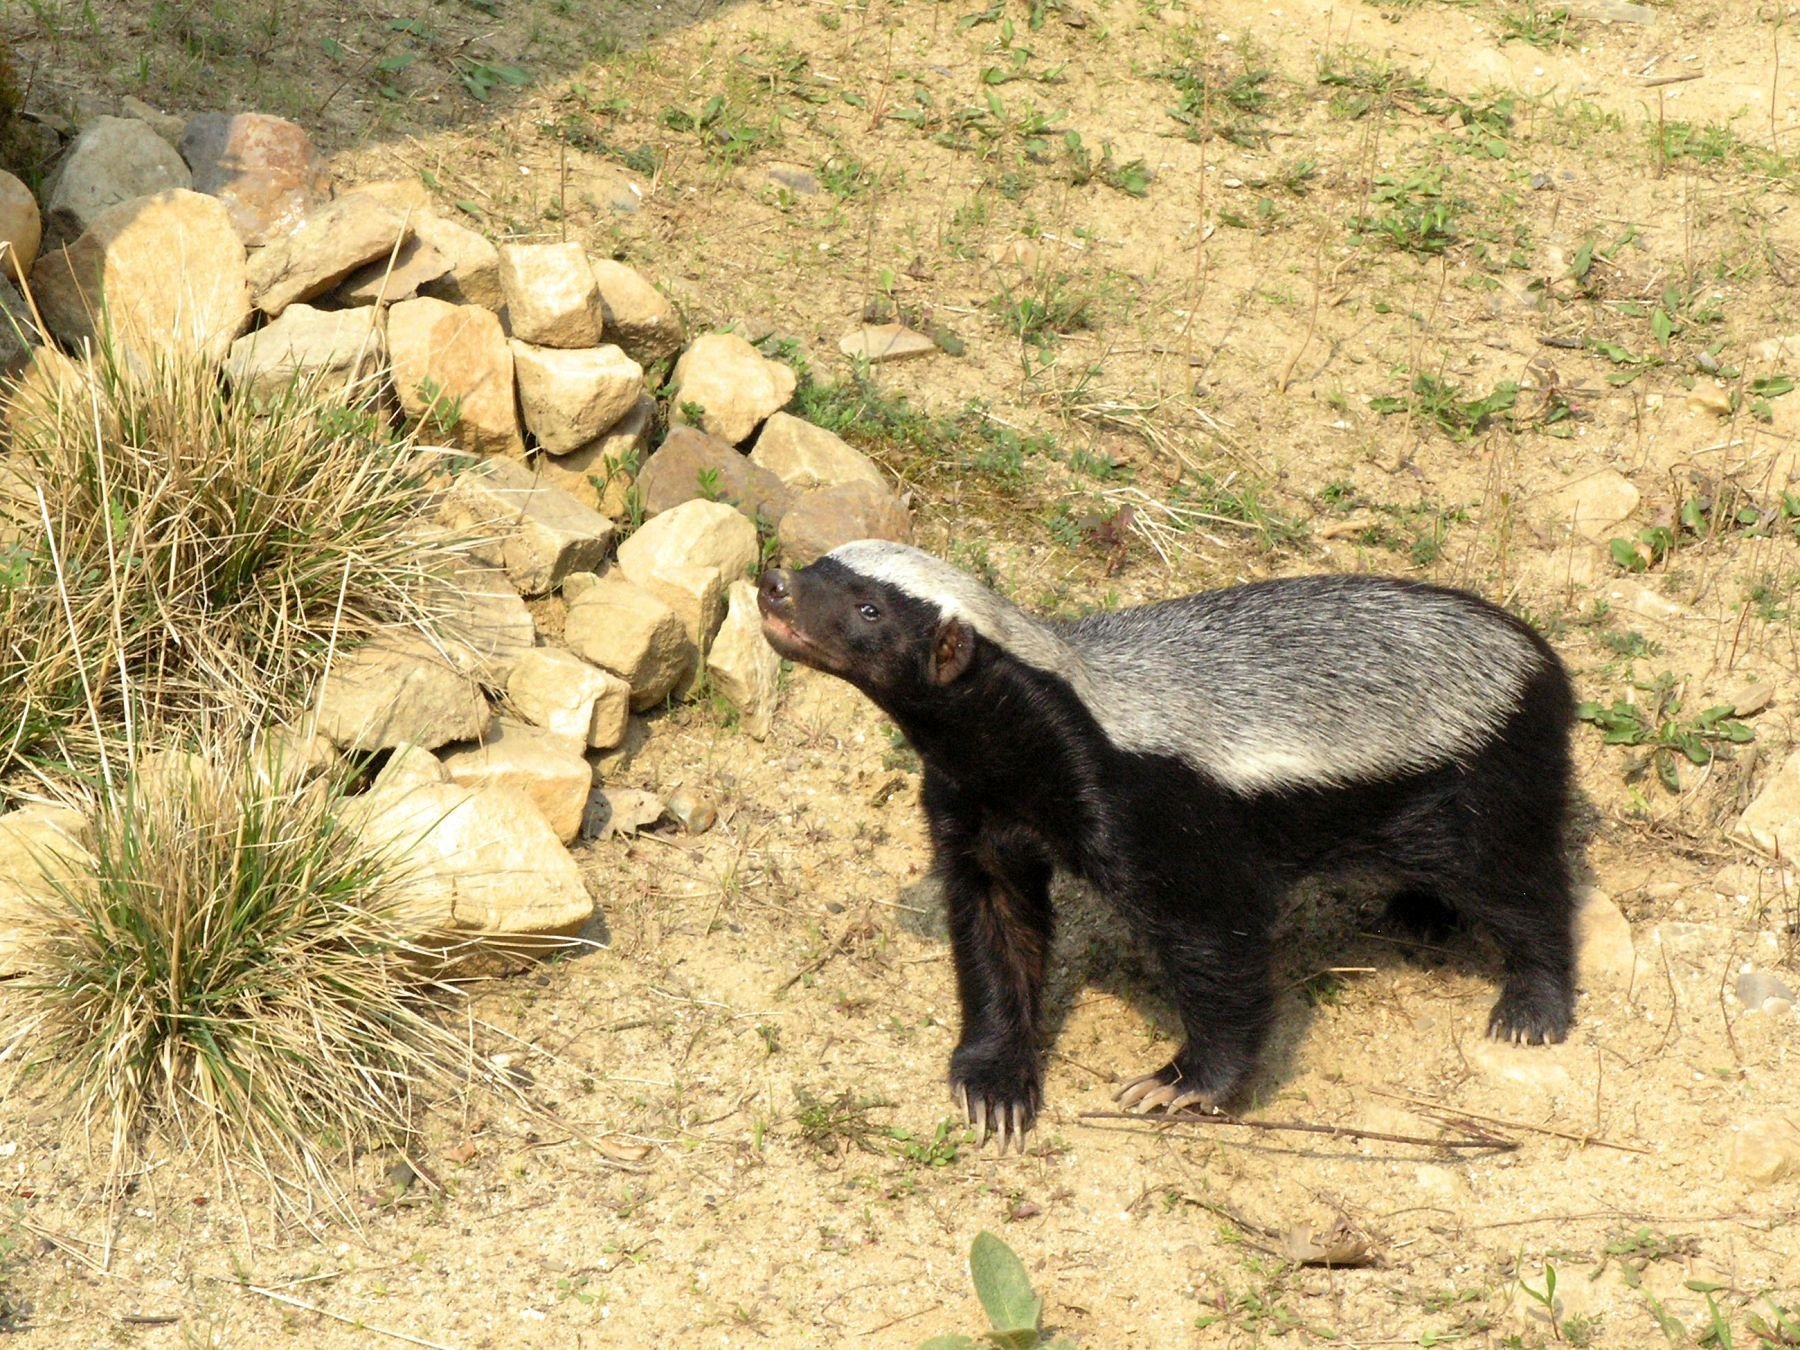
(1191, 760)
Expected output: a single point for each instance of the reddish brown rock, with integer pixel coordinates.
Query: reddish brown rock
(265, 169)
(454, 371)
(822, 519)
(692, 464)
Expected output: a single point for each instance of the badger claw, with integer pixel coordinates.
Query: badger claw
(1155, 1092)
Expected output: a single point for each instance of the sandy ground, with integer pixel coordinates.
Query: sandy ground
(1364, 195)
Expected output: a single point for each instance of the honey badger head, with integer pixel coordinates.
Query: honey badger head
(853, 614)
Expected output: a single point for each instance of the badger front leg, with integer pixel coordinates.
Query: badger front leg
(997, 893)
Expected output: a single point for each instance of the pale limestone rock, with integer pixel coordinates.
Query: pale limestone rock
(265, 169)
(480, 861)
(625, 628)
(1772, 822)
(115, 160)
(474, 275)
(21, 229)
(333, 351)
(453, 369)
(397, 688)
(805, 456)
(171, 270)
(327, 246)
(385, 281)
(571, 397)
(734, 386)
(743, 666)
(826, 517)
(551, 299)
(546, 767)
(635, 314)
(600, 474)
(568, 697)
(693, 534)
(41, 847)
(409, 766)
(696, 594)
(541, 533)
(1594, 505)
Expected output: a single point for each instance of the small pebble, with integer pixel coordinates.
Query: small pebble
(696, 813)
(1757, 989)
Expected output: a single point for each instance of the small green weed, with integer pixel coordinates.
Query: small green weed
(1539, 25)
(1444, 405)
(1014, 1311)
(1657, 725)
(1420, 215)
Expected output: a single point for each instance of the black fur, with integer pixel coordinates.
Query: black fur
(1021, 779)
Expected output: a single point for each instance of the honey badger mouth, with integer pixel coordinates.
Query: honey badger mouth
(788, 641)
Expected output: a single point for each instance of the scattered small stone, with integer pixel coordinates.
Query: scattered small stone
(1776, 350)
(626, 811)
(165, 124)
(328, 349)
(877, 342)
(795, 178)
(113, 161)
(1757, 990)
(727, 386)
(1772, 822)
(690, 465)
(636, 315)
(1710, 398)
(326, 247)
(805, 456)
(1595, 504)
(1611, 11)
(824, 518)
(265, 169)
(695, 813)
(1752, 699)
(453, 370)
(21, 229)
(551, 297)
(125, 255)
(1764, 1151)
(571, 396)
(1604, 955)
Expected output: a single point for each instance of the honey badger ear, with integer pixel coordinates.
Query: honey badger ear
(951, 650)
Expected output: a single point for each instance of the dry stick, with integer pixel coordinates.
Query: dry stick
(836, 946)
(315, 1309)
(1478, 1138)
(1657, 81)
(1466, 1119)
(1312, 321)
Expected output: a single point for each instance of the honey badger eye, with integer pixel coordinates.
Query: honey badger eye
(868, 612)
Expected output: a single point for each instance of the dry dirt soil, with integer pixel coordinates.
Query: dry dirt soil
(1306, 286)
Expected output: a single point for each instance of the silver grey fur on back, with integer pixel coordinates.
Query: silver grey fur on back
(1308, 682)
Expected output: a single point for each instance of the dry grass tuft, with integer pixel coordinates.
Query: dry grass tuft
(168, 553)
(238, 975)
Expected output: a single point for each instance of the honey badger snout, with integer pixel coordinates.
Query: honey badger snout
(773, 593)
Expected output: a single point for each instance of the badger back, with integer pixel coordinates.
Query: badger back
(1311, 681)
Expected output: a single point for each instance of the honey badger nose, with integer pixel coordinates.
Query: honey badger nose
(772, 590)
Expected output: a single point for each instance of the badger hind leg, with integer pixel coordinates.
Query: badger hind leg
(1217, 976)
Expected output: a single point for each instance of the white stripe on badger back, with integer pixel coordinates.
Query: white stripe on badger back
(1306, 683)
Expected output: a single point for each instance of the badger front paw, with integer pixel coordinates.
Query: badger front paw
(998, 1091)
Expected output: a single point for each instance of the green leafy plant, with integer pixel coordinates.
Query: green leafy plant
(1442, 404)
(1013, 1309)
(1657, 725)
